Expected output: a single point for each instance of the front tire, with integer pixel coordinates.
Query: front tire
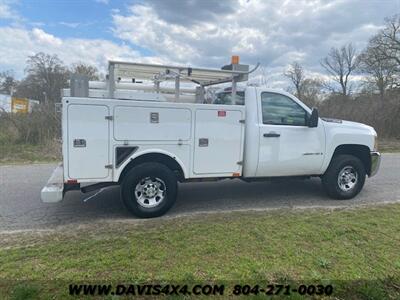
(149, 190)
(345, 177)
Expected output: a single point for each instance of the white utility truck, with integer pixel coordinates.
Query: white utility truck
(148, 137)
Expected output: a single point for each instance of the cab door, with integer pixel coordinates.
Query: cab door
(288, 147)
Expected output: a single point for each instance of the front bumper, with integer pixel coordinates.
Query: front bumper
(375, 162)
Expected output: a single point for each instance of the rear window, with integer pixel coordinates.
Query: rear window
(226, 98)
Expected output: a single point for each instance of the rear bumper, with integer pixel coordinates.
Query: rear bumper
(53, 191)
(375, 163)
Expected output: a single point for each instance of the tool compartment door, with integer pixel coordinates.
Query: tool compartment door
(88, 141)
(135, 123)
(218, 141)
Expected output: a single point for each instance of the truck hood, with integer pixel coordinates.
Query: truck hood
(349, 124)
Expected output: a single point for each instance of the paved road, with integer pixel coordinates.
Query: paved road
(21, 208)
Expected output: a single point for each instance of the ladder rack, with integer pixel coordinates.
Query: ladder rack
(125, 80)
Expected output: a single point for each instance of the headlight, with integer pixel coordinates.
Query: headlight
(375, 143)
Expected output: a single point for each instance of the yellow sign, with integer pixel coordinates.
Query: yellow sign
(19, 105)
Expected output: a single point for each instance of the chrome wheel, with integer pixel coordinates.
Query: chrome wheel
(150, 192)
(347, 178)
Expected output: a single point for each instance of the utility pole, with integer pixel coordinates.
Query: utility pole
(45, 98)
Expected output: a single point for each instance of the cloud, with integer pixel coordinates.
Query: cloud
(45, 39)
(191, 11)
(196, 43)
(18, 43)
(70, 24)
(102, 1)
(206, 33)
(273, 32)
(7, 12)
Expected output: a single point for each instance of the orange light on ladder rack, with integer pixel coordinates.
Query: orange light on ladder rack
(235, 60)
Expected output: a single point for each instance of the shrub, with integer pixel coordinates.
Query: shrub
(37, 128)
(382, 114)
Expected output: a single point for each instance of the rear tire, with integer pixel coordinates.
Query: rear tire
(149, 190)
(344, 178)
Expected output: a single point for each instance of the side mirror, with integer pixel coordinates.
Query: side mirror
(313, 119)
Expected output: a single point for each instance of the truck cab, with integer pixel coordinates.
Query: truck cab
(290, 141)
(146, 143)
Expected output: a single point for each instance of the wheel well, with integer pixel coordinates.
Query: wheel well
(154, 157)
(360, 151)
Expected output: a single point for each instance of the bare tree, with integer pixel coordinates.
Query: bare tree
(311, 91)
(295, 74)
(7, 82)
(339, 64)
(47, 75)
(387, 45)
(84, 69)
(380, 70)
(387, 41)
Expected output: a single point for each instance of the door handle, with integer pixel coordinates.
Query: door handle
(272, 134)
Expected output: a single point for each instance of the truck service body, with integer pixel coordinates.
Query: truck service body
(147, 145)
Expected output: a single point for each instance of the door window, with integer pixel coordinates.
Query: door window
(278, 109)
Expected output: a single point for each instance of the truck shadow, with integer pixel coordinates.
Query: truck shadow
(224, 195)
(238, 195)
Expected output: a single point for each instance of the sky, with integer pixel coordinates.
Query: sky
(201, 33)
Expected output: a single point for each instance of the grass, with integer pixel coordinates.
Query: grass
(389, 145)
(25, 291)
(27, 153)
(356, 250)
